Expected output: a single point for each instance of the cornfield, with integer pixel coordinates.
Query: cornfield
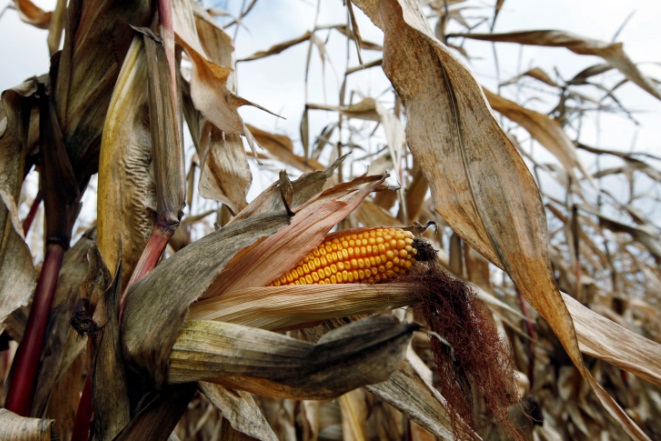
(429, 259)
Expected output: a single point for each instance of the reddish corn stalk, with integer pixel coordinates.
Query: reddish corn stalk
(27, 223)
(26, 364)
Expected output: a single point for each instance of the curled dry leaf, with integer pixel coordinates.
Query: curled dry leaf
(33, 14)
(611, 52)
(280, 47)
(473, 167)
(303, 189)
(18, 428)
(342, 360)
(126, 199)
(282, 149)
(209, 88)
(17, 273)
(225, 174)
(536, 73)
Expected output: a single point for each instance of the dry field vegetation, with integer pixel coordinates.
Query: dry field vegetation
(536, 318)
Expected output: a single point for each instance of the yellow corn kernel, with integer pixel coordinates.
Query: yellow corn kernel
(369, 256)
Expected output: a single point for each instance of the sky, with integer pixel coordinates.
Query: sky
(277, 83)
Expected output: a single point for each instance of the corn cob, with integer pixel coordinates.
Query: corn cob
(366, 256)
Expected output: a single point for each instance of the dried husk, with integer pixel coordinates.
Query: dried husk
(165, 294)
(209, 267)
(126, 193)
(340, 361)
(286, 307)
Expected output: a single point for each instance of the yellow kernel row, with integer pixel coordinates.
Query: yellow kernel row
(369, 256)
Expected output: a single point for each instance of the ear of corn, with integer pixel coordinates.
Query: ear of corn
(368, 256)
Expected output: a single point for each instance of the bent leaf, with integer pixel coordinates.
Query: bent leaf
(611, 52)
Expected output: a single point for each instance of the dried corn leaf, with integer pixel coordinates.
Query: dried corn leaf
(240, 409)
(277, 48)
(535, 73)
(88, 67)
(126, 200)
(209, 88)
(648, 235)
(284, 307)
(33, 14)
(611, 52)
(473, 168)
(342, 360)
(410, 394)
(18, 428)
(302, 189)
(364, 109)
(282, 149)
(545, 130)
(17, 274)
(605, 339)
(225, 174)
